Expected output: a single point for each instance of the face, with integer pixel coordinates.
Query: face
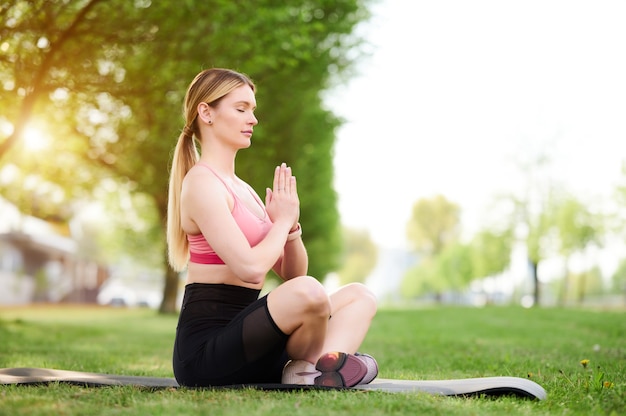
(233, 119)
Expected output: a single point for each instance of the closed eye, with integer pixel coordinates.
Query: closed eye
(245, 105)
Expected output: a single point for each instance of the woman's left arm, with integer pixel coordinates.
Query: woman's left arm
(295, 261)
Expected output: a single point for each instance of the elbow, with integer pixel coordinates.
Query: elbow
(255, 278)
(252, 274)
(251, 268)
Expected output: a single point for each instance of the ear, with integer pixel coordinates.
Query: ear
(205, 113)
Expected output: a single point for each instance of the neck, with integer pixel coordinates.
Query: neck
(223, 164)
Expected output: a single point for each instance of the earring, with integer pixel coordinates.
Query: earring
(210, 122)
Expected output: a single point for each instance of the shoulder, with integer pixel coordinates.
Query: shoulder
(202, 186)
(201, 178)
(204, 201)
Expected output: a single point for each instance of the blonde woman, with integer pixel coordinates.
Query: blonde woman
(228, 239)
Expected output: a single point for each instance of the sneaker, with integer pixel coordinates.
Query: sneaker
(340, 369)
(372, 367)
(300, 372)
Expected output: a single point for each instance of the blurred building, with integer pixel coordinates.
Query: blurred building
(39, 262)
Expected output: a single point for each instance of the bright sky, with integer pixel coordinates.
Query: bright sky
(457, 93)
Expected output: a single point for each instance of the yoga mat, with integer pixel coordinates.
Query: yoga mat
(490, 386)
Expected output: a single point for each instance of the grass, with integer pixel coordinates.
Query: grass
(546, 345)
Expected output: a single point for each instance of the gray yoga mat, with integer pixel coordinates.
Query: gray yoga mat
(490, 386)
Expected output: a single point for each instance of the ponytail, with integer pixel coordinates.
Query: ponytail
(185, 156)
(209, 86)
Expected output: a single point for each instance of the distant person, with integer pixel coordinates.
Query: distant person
(220, 230)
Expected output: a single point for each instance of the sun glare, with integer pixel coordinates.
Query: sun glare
(35, 139)
(6, 128)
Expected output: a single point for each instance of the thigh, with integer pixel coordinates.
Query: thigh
(249, 348)
(292, 299)
(348, 294)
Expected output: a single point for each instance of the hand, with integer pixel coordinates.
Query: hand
(282, 202)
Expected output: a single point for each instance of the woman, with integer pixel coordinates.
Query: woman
(220, 230)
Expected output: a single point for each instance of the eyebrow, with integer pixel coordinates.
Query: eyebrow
(248, 103)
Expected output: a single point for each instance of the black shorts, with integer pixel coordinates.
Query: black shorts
(225, 336)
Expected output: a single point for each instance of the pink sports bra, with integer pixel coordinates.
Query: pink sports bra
(253, 227)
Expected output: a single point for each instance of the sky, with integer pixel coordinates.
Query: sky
(457, 95)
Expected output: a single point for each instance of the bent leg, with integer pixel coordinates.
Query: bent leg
(352, 309)
(300, 307)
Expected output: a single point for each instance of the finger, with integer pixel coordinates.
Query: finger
(288, 177)
(293, 185)
(268, 196)
(276, 175)
(281, 177)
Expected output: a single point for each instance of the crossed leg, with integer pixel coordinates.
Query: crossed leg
(317, 322)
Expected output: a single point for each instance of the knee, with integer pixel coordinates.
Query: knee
(364, 296)
(311, 295)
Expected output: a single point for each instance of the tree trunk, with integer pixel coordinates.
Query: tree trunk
(169, 303)
(535, 276)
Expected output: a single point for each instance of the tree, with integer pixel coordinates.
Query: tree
(434, 223)
(421, 279)
(451, 270)
(457, 264)
(46, 76)
(588, 282)
(433, 229)
(531, 219)
(619, 280)
(114, 73)
(619, 277)
(577, 229)
(359, 256)
(537, 227)
(455, 267)
(491, 251)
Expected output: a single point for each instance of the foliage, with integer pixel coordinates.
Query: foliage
(359, 257)
(576, 225)
(455, 265)
(434, 227)
(546, 345)
(577, 228)
(434, 223)
(450, 271)
(551, 223)
(421, 279)
(619, 222)
(587, 283)
(109, 78)
(491, 252)
(122, 221)
(619, 279)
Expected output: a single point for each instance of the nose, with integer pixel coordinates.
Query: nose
(254, 120)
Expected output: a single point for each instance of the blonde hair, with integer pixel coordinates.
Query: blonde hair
(209, 86)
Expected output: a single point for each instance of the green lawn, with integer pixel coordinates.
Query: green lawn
(546, 345)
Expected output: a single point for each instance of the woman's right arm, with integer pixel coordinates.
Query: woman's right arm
(207, 208)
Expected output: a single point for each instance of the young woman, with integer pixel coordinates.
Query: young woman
(228, 239)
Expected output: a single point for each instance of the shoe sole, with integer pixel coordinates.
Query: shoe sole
(339, 370)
